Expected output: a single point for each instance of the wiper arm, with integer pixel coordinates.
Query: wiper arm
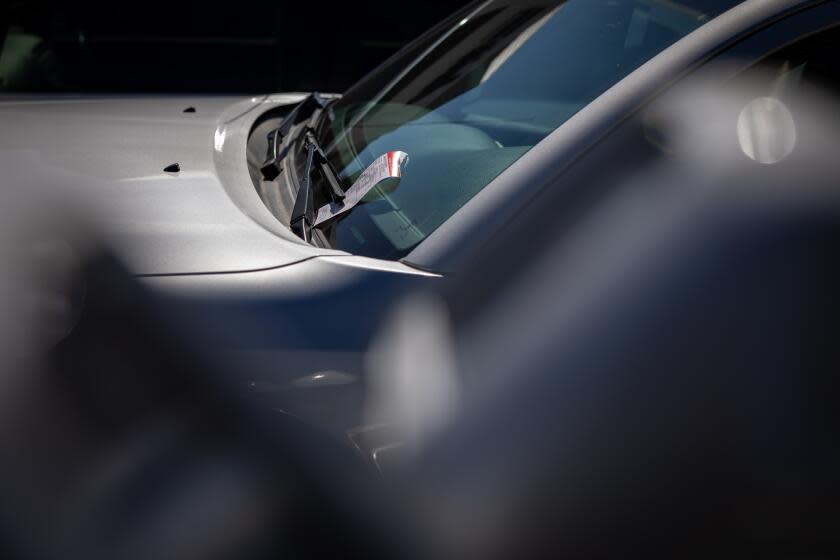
(303, 212)
(279, 141)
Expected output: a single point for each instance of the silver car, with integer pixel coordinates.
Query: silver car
(268, 219)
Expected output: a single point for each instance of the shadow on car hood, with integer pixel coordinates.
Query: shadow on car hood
(106, 156)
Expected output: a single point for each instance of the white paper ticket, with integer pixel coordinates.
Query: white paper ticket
(387, 166)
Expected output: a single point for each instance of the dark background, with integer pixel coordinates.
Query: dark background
(192, 47)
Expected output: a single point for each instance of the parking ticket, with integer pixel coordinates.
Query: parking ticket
(387, 166)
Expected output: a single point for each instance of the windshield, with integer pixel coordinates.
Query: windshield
(473, 96)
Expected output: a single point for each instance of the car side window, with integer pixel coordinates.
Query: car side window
(795, 99)
(810, 62)
(779, 90)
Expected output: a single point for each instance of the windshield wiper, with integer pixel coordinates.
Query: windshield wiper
(279, 141)
(303, 212)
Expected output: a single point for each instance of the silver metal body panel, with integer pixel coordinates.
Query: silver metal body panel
(106, 156)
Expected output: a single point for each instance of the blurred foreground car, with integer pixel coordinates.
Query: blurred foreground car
(282, 231)
(668, 389)
(641, 363)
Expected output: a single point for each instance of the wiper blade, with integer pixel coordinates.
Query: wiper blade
(279, 141)
(303, 212)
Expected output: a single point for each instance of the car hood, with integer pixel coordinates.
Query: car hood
(106, 157)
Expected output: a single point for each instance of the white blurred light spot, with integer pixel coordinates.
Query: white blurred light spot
(412, 381)
(219, 139)
(766, 130)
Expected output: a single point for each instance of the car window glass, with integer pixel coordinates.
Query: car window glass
(492, 86)
(795, 92)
